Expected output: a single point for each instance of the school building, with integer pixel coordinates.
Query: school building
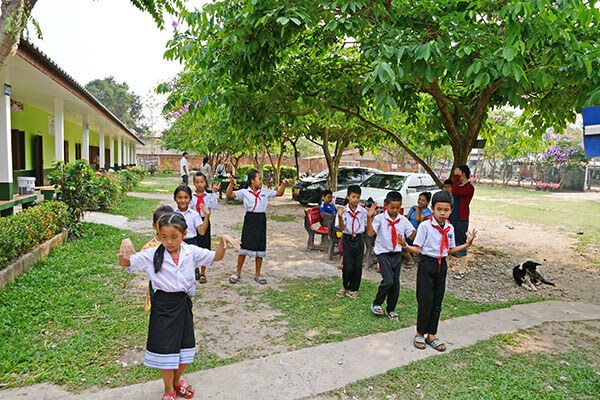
(46, 116)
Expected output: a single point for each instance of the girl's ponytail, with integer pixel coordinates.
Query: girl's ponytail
(159, 257)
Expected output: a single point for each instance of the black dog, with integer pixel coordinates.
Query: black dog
(526, 276)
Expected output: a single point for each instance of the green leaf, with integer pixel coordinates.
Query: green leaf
(389, 70)
(296, 21)
(283, 20)
(508, 53)
(587, 64)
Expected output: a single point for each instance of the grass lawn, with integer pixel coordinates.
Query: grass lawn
(547, 209)
(150, 185)
(71, 317)
(316, 316)
(135, 207)
(492, 369)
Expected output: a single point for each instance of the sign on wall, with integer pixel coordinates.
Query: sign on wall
(591, 131)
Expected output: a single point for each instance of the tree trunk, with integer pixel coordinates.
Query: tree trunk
(296, 157)
(18, 12)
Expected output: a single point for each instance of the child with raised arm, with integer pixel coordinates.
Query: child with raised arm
(352, 221)
(388, 226)
(435, 240)
(201, 198)
(254, 231)
(170, 267)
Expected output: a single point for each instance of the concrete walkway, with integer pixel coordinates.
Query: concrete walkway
(306, 373)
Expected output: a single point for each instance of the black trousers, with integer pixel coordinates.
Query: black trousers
(353, 250)
(431, 285)
(390, 264)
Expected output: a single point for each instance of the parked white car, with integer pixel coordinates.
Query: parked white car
(409, 185)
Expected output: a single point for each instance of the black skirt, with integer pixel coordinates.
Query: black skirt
(204, 240)
(254, 232)
(171, 340)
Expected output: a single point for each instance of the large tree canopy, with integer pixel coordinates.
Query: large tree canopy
(121, 101)
(387, 61)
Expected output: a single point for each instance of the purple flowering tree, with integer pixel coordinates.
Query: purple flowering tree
(565, 154)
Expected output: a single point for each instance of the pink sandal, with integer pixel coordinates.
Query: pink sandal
(184, 390)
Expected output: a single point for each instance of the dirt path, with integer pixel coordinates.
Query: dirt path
(247, 328)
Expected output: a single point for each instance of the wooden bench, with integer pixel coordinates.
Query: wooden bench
(314, 224)
(48, 192)
(7, 206)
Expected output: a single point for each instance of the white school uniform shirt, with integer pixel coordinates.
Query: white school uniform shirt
(193, 221)
(383, 230)
(210, 200)
(183, 163)
(172, 277)
(429, 239)
(360, 220)
(254, 202)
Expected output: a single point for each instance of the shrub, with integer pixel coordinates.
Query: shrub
(286, 172)
(167, 167)
(22, 232)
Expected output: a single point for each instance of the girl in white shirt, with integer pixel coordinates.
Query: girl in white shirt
(170, 267)
(254, 232)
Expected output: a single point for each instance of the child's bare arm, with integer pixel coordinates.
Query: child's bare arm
(470, 237)
(340, 213)
(225, 240)
(412, 249)
(229, 192)
(370, 215)
(125, 251)
(204, 227)
(281, 189)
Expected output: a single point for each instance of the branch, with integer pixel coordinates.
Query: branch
(396, 139)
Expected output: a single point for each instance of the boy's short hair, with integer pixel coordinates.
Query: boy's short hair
(466, 170)
(326, 192)
(442, 197)
(427, 196)
(448, 182)
(393, 196)
(354, 189)
(185, 153)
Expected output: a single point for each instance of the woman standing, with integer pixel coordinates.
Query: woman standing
(206, 169)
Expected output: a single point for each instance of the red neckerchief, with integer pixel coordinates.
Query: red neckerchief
(354, 216)
(256, 198)
(394, 234)
(199, 202)
(445, 242)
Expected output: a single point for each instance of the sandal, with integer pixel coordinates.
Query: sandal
(233, 279)
(202, 278)
(169, 396)
(419, 342)
(393, 316)
(352, 294)
(184, 390)
(341, 292)
(260, 280)
(340, 267)
(377, 310)
(437, 344)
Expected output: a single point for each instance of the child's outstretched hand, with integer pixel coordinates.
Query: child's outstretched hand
(230, 240)
(402, 241)
(205, 209)
(215, 187)
(372, 210)
(231, 179)
(126, 250)
(471, 236)
(340, 211)
(287, 181)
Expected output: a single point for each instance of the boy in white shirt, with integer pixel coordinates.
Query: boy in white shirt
(388, 226)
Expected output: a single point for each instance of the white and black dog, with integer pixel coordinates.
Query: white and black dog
(526, 276)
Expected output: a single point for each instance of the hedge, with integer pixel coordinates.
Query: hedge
(286, 172)
(22, 232)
